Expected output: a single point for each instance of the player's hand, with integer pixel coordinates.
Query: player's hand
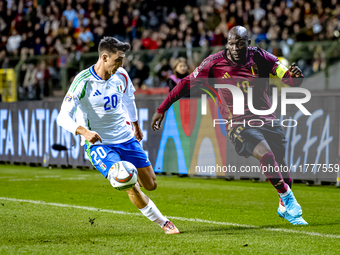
(92, 136)
(294, 71)
(157, 121)
(138, 134)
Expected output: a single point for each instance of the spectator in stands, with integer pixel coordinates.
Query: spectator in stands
(13, 43)
(29, 84)
(139, 73)
(86, 35)
(3, 25)
(3, 44)
(147, 42)
(117, 28)
(98, 35)
(128, 19)
(258, 12)
(137, 23)
(180, 70)
(37, 46)
(70, 13)
(5, 63)
(42, 80)
(154, 25)
(80, 45)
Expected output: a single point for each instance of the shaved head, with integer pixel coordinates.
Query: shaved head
(237, 46)
(239, 31)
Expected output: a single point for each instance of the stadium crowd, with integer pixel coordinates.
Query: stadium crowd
(69, 28)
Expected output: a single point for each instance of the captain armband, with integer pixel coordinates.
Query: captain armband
(281, 70)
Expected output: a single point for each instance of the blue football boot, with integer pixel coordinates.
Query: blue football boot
(295, 221)
(292, 206)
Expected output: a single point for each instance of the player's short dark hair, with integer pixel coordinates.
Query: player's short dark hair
(111, 45)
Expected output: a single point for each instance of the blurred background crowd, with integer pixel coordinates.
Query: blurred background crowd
(69, 29)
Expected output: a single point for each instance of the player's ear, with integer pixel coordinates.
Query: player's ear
(104, 57)
(249, 42)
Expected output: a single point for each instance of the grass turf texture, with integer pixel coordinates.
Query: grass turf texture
(32, 228)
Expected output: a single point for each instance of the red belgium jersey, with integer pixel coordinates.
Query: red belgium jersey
(218, 69)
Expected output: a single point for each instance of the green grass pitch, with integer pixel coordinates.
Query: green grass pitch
(70, 211)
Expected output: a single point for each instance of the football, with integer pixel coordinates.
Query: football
(123, 175)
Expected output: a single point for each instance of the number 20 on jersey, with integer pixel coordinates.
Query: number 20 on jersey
(113, 101)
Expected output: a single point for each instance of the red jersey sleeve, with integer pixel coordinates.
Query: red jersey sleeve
(272, 64)
(199, 76)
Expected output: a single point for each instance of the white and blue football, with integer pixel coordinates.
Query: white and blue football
(123, 175)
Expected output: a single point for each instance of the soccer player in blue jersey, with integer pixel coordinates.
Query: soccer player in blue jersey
(102, 94)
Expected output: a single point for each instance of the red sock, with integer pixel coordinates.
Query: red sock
(271, 170)
(287, 179)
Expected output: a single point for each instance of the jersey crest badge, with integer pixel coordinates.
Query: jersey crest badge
(119, 88)
(195, 72)
(68, 98)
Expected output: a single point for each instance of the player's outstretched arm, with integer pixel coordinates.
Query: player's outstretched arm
(130, 104)
(157, 119)
(199, 76)
(71, 101)
(90, 136)
(180, 90)
(293, 76)
(138, 132)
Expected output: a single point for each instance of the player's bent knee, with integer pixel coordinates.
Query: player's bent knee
(261, 149)
(269, 158)
(147, 178)
(151, 185)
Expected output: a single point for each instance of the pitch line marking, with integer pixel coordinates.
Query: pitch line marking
(172, 217)
(41, 179)
(47, 176)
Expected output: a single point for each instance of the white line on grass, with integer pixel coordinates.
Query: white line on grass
(47, 176)
(42, 179)
(173, 217)
(19, 180)
(73, 178)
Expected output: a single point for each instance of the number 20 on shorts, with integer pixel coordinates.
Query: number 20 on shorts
(99, 151)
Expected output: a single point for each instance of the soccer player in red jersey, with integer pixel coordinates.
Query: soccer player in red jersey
(246, 67)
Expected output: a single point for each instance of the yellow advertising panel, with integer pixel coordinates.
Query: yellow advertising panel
(8, 89)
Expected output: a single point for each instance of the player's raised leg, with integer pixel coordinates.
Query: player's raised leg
(133, 152)
(147, 179)
(150, 210)
(281, 210)
(270, 168)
